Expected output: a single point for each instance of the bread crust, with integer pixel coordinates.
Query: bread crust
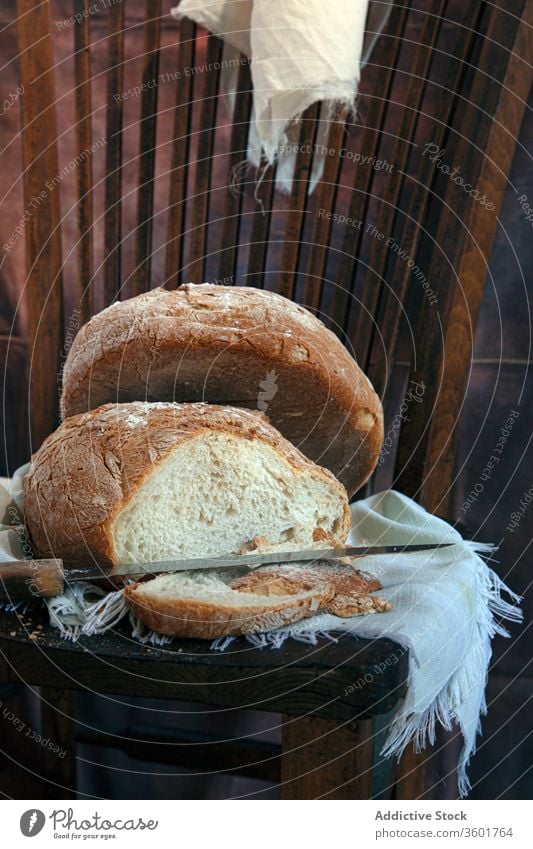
(206, 621)
(93, 464)
(342, 577)
(233, 345)
(295, 592)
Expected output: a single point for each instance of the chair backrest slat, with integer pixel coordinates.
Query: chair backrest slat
(43, 283)
(83, 109)
(147, 145)
(180, 156)
(298, 201)
(113, 180)
(204, 162)
(234, 194)
(385, 58)
(327, 193)
(264, 197)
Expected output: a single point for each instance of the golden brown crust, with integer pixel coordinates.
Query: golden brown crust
(289, 579)
(233, 345)
(346, 590)
(87, 470)
(203, 620)
(297, 592)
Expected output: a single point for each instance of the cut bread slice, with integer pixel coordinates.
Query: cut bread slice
(142, 482)
(204, 605)
(213, 604)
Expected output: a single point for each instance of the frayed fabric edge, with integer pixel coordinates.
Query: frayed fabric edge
(261, 158)
(421, 728)
(275, 639)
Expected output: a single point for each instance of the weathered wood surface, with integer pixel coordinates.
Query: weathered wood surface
(325, 759)
(195, 751)
(82, 73)
(179, 168)
(113, 179)
(328, 678)
(41, 203)
(58, 767)
(147, 146)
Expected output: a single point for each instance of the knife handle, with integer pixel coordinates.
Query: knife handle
(27, 579)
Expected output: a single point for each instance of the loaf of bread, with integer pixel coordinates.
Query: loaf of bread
(215, 604)
(142, 482)
(233, 345)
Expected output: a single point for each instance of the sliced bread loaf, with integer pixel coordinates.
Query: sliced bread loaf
(232, 345)
(143, 482)
(215, 604)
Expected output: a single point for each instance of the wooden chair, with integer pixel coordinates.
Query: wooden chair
(400, 279)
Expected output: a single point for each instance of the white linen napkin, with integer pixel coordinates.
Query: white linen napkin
(300, 52)
(447, 605)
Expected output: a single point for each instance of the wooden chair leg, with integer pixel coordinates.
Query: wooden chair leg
(18, 763)
(59, 753)
(410, 776)
(321, 759)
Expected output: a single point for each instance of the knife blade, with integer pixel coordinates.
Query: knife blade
(26, 579)
(250, 561)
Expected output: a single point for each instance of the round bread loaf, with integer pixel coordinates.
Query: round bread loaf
(141, 482)
(233, 345)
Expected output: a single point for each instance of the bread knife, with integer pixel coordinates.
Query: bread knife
(25, 579)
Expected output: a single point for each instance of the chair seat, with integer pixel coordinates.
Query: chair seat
(348, 679)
